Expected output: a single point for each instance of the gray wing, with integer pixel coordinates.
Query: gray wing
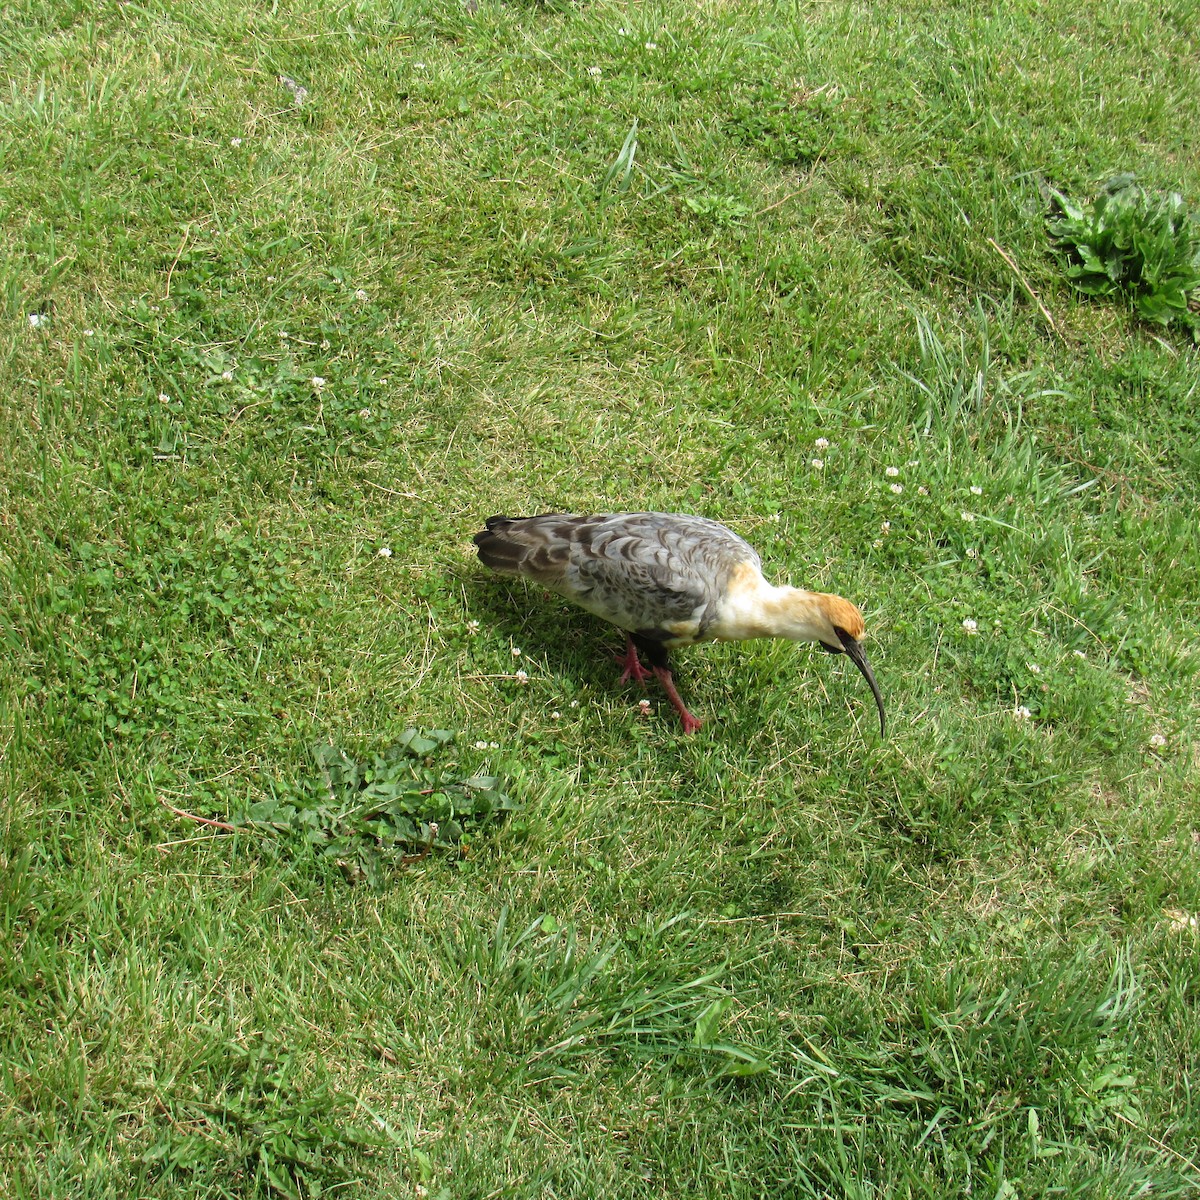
(660, 574)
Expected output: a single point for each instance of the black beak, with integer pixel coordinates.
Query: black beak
(855, 651)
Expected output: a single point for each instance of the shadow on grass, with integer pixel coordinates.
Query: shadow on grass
(574, 642)
(574, 645)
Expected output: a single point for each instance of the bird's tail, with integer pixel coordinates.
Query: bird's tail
(498, 551)
(531, 546)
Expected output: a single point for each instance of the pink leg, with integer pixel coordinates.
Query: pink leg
(633, 665)
(690, 723)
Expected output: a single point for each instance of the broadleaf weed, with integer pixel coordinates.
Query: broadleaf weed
(1128, 242)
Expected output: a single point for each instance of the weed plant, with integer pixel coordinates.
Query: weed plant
(1129, 243)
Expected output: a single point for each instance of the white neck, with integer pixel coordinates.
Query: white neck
(754, 608)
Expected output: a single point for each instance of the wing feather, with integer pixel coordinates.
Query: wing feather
(658, 574)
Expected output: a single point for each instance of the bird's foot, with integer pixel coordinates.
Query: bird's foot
(633, 665)
(690, 723)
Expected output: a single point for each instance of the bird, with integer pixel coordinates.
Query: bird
(669, 580)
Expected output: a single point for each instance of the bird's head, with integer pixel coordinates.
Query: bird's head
(755, 608)
(839, 627)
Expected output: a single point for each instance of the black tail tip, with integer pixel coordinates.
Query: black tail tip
(485, 535)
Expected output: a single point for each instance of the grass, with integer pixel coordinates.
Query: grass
(585, 256)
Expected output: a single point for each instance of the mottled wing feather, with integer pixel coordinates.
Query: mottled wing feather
(657, 574)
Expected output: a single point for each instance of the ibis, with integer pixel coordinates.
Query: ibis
(669, 580)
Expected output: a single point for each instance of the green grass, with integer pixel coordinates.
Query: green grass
(780, 958)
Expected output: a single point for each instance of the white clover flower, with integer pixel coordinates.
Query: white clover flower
(481, 745)
(818, 464)
(886, 526)
(976, 491)
(227, 376)
(822, 443)
(163, 398)
(573, 704)
(896, 488)
(1157, 740)
(1079, 654)
(972, 553)
(968, 517)
(284, 335)
(922, 490)
(365, 413)
(472, 627)
(318, 383)
(644, 707)
(621, 31)
(235, 142)
(37, 320)
(419, 66)
(970, 625)
(877, 544)
(594, 71)
(89, 333)
(522, 677)
(325, 344)
(556, 716)
(651, 45)
(361, 295)
(913, 462)
(515, 652)
(384, 552)
(1022, 713)
(891, 472)
(1034, 668)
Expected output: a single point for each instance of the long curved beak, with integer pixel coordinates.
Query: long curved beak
(855, 651)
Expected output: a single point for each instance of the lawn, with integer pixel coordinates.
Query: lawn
(292, 298)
